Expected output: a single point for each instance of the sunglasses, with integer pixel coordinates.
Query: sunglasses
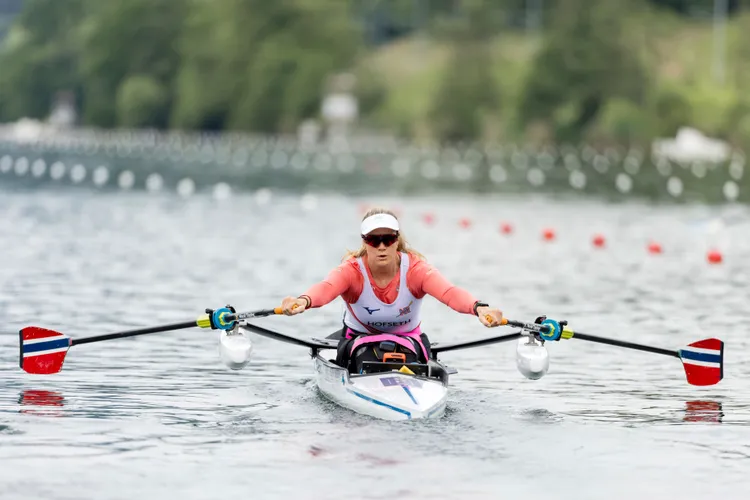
(374, 240)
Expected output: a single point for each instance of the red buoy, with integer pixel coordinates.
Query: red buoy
(548, 234)
(598, 241)
(654, 248)
(428, 219)
(714, 257)
(506, 228)
(465, 223)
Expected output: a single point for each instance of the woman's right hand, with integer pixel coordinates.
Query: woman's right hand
(293, 305)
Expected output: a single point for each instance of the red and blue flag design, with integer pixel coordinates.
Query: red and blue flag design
(703, 362)
(42, 351)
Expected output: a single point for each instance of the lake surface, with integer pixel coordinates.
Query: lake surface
(159, 416)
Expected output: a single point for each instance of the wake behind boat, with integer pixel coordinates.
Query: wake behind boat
(391, 390)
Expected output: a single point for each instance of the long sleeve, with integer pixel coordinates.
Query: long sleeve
(344, 281)
(424, 279)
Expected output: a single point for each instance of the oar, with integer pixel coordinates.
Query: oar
(42, 351)
(703, 360)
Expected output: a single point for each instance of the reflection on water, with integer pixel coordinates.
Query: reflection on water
(35, 402)
(703, 411)
(163, 409)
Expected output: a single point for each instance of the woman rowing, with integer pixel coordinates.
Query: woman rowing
(383, 284)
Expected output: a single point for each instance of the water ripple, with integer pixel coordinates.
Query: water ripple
(163, 410)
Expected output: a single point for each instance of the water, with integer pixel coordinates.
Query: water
(160, 416)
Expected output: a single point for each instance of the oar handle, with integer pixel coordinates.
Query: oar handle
(225, 317)
(254, 314)
(531, 327)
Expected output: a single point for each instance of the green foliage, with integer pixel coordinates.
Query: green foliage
(468, 92)
(605, 70)
(623, 122)
(252, 64)
(671, 110)
(586, 59)
(124, 38)
(141, 102)
(40, 58)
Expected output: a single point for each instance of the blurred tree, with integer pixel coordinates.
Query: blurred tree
(587, 58)
(698, 7)
(125, 38)
(141, 102)
(468, 91)
(253, 64)
(40, 58)
(672, 110)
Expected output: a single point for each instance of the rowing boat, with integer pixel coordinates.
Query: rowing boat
(385, 390)
(389, 394)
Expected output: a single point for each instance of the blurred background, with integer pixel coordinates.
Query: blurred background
(582, 159)
(639, 98)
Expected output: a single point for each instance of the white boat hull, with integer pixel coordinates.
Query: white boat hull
(387, 395)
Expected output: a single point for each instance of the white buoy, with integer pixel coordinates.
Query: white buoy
(535, 176)
(577, 179)
(101, 175)
(263, 196)
(38, 168)
(6, 163)
(126, 180)
(77, 173)
(430, 170)
(186, 187)
(235, 348)
(308, 202)
(22, 166)
(532, 358)
(154, 182)
(623, 183)
(498, 175)
(57, 170)
(462, 172)
(222, 191)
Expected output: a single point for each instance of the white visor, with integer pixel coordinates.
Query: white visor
(379, 221)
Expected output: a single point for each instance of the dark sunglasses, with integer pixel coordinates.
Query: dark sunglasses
(374, 240)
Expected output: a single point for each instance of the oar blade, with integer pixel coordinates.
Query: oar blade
(703, 361)
(42, 351)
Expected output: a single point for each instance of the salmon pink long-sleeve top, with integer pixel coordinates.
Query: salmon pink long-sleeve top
(421, 278)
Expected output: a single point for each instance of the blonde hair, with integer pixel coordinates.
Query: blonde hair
(403, 245)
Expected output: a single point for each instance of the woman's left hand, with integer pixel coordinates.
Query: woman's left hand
(490, 317)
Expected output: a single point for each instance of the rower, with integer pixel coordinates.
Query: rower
(383, 284)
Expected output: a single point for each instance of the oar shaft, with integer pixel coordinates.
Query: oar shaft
(438, 348)
(629, 345)
(133, 333)
(538, 328)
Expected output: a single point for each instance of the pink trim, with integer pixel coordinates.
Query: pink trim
(394, 337)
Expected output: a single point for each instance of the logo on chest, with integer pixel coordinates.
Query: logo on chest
(406, 310)
(369, 311)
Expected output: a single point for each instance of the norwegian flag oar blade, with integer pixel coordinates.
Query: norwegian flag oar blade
(42, 350)
(703, 361)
